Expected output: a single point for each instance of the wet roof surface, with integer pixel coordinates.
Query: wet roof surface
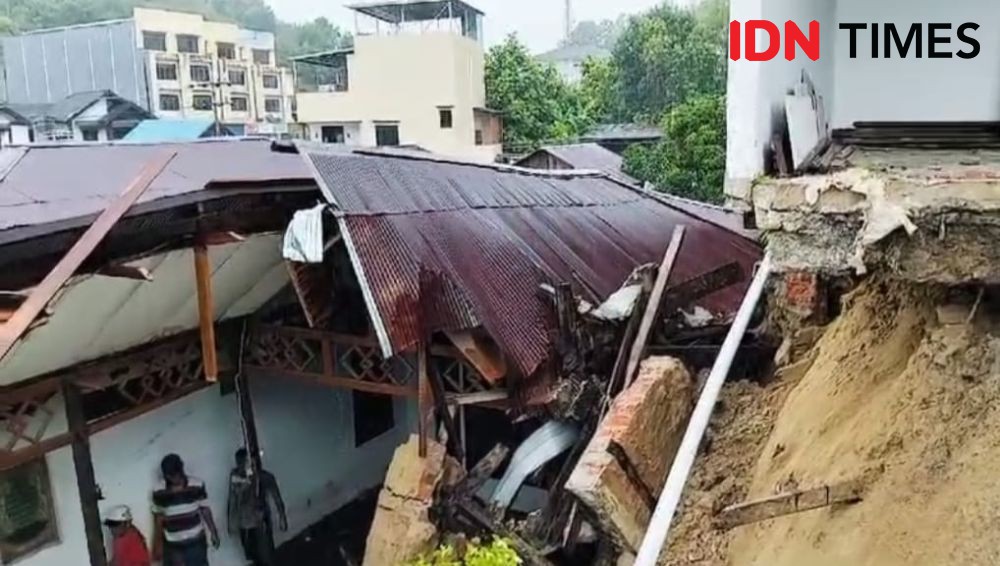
(47, 188)
(444, 246)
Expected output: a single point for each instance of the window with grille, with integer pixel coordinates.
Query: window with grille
(262, 56)
(272, 105)
(202, 102)
(226, 51)
(27, 515)
(201, 73)
(237, 77)
(170, 102)
(269, 80)
(446, 118)
(188, 44)
(154, 41)
(166, 71)
(239, 103)
(387, 135)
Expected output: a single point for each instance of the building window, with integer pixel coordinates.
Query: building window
(479, 137)
(272, 105)
(170, 102)
(262, 56)
(226, 51)
(166, 71)
(373, 416)
(154, 40)
(387, 135)
(188, 44)
(27, 516)
(332, 134)
(269, 80)
(445, 117)
(89, 134)
(201, 73)
(237, 77)
(239, 103)
(202, 102)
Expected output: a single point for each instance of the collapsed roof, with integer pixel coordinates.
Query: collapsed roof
(441, 245)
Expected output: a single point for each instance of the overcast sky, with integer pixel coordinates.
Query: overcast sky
(539, 23)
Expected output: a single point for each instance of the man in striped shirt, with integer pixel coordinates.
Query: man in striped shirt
(181, 513)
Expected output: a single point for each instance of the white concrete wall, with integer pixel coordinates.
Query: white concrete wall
(756, 90)
(862, 88)
(432, 69)
(307, 436)
(918, 89)
(203, 428)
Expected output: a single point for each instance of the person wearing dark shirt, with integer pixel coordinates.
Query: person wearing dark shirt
(128, 546)
(250, 497)
(181, 515)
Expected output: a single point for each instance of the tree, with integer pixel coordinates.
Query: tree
(691, 160)
(537, 105)
(664, 57)
(599, 90)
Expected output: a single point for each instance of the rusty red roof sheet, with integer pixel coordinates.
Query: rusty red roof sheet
(47, 188)
(441, 245)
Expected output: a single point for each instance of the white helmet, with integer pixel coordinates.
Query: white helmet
(118, 514)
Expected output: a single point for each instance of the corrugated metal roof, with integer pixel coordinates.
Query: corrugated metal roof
(441, 245)
(59, 187)
(594, 157)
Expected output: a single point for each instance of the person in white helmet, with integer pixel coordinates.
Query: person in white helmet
(128, 546)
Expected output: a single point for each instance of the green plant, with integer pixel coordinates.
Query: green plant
(498, 552)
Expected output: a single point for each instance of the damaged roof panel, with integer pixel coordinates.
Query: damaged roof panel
(441, 245)
(65, 185)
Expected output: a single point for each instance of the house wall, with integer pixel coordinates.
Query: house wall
(433, 69)
(307, 437)
(756, 90)
(256, 119)
(918, 89)
(47, 66)
(863, 88)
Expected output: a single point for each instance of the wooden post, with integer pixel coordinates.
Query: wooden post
(653, 305)
(798, 501)
(85, 479)
(425, 402)
(206, 310)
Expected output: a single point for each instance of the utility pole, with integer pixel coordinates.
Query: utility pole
(569, 18)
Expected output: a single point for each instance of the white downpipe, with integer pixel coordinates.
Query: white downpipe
(659, 524)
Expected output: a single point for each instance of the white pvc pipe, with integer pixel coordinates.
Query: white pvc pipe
(659, 524)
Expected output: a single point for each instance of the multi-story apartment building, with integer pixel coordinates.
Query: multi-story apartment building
(414, 77)
(175, 64)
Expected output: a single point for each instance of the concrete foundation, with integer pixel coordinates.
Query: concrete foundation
(921, 215)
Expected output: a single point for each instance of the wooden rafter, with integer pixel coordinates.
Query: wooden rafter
(653, 305)
(41, 295)
(481, 352)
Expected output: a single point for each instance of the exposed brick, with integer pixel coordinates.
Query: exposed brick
(648, 421)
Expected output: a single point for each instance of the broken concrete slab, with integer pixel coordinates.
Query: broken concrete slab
(402, 529)
(647, 421)
(927, 216)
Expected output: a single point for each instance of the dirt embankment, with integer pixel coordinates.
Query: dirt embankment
(911, 405)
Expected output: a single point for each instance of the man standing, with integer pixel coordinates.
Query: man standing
(181, 514)
(249, 512)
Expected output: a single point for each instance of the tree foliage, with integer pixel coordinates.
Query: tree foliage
(665, 57)
(474, 553)
(691, 160)
(537, 105)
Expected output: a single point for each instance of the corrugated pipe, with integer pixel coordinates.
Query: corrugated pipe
(659, 524)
